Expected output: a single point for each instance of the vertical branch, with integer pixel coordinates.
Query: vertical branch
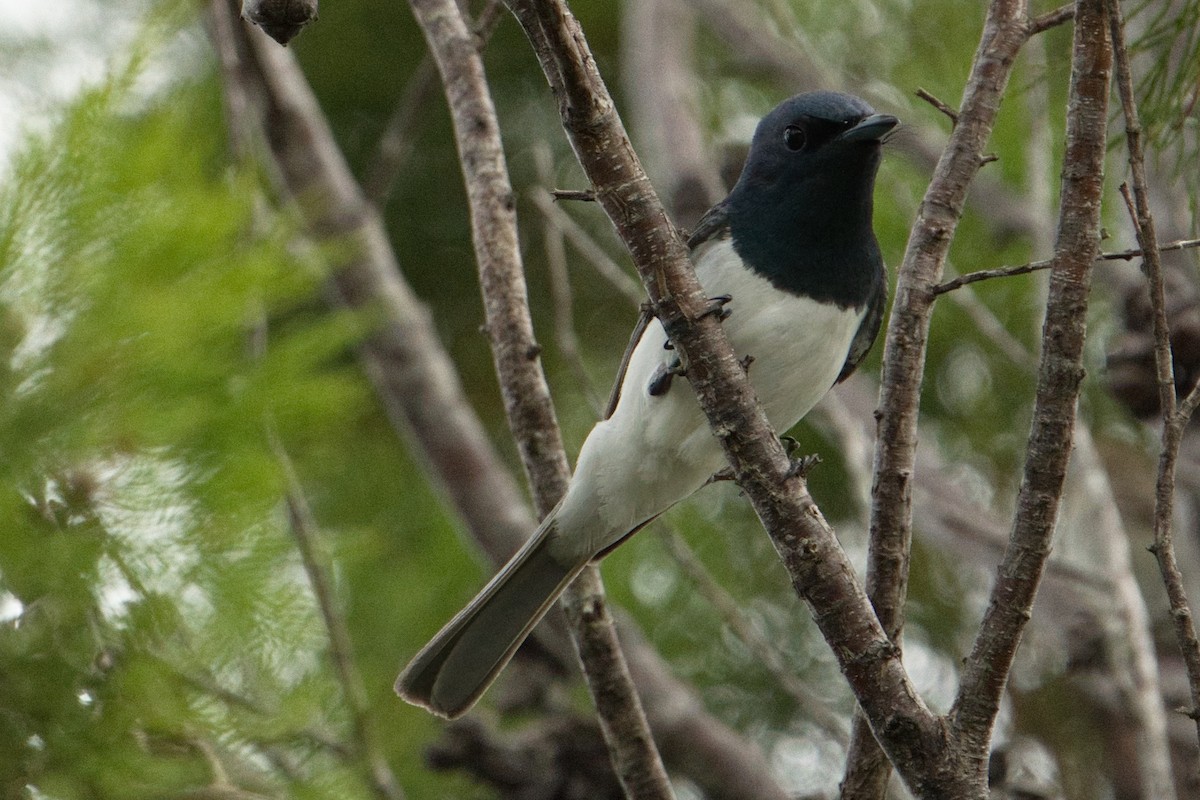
(1005, 30)
(1174, 419)
(1059, 377)
(516, 353)
(527, 400)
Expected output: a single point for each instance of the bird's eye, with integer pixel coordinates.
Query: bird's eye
(794, 138)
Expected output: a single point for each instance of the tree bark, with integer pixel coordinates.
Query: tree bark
(1059, 377)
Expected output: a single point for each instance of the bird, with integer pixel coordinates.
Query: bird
(792, 265)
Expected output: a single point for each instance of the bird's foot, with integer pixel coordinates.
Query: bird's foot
(660, 382)
(803, 465)
(716, 307)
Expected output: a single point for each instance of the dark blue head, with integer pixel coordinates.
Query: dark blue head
(800, 213)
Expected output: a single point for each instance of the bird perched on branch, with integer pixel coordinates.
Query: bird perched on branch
(790, 256)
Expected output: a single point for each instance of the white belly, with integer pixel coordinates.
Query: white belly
(654, 451)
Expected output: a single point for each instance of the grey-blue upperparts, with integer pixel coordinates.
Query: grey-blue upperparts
(792, 248)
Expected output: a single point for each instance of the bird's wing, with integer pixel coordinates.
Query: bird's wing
(713, 225)
(614, 396)
(868, 330)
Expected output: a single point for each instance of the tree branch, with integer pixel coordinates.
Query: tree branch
(515, 351)
(527, 401)
(819, 568)
(417, 383)
(1036, 266)
(1060, 375)
(412, 374)
(1174, 419)
(1005, 30)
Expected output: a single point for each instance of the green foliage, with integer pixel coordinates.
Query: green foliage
(1167, 37)
(153, 322)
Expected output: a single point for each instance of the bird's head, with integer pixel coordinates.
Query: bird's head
(815, 147)
(803, 200)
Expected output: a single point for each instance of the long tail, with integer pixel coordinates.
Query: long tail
(462, 660)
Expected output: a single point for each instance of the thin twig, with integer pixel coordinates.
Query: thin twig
(560, 289)
(1143, 226)
(305, 531)
(1035, 266)
(582, 195)
(396, 143)
(1174, 418)
(939, 105)
(589, 248)
(1052, 19)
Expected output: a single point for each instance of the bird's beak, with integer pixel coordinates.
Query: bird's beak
(870, 129)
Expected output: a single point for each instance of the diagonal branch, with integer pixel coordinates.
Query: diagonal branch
(820, 571)
(1060, 375)
(417, 383)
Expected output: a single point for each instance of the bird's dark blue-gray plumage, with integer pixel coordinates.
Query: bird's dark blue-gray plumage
(793, 249)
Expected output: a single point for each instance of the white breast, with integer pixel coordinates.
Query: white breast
(654, 451)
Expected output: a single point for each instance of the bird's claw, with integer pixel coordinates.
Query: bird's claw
(801, 466)
(716, 307)
(660, 382)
